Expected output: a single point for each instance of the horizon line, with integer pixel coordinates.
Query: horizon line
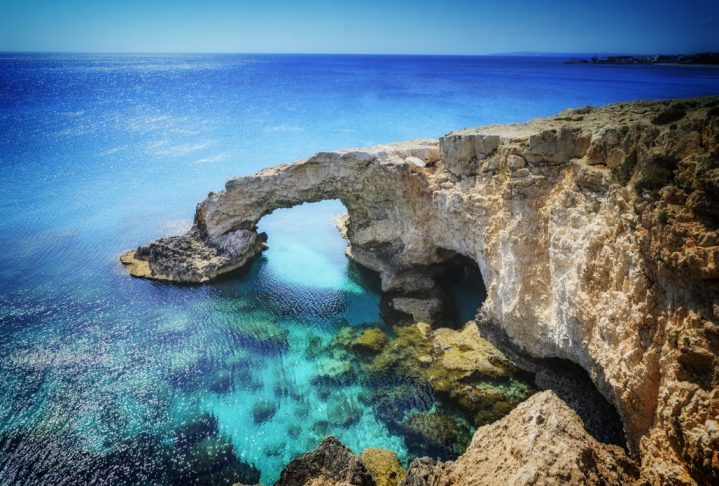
(493, 54)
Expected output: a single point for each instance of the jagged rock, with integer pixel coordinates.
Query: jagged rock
(542, 441)
(384, 466)
(604, 252)
(423, 471)
(331, 463)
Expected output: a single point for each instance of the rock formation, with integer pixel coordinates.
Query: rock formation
(595, 232)
(542, 441)
(332, 463)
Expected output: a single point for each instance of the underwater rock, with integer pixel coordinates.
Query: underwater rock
(436, 435)
(221, 382)
(344, 413)
(212, 461)
(371, 341)
(293, 431)
(274, 450)
(320, 428)
(401, 354)
(245, 379)
(263, 411)
(314, 347)
(261, 332)
(331, 460)
(302, 411)
(461, 367)
(194, 429)
(333, 372)
(392, 402)
(285, 388)
(384, 466)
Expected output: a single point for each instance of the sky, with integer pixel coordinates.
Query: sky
(360, 26)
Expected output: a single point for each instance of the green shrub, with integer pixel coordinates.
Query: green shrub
(674, 338)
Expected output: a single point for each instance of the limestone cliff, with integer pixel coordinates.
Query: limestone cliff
(595, 232)
(542, 441)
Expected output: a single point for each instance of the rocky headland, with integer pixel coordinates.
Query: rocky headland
(595, 232)
(703, 58)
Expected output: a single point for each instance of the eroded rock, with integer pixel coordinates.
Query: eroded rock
(331, 463)
(542, 441)
(602, 250)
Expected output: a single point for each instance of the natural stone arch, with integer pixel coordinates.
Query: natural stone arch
(579, 263)
(381, 187)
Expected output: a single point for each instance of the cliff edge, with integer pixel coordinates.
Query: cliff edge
(595, 232)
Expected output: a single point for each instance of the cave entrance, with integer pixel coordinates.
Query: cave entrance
(463, 283)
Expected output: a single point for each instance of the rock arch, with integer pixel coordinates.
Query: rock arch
(384, 188)
(571, 226)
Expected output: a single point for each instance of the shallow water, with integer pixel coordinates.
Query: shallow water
(102, 153)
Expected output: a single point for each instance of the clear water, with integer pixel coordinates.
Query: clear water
(102, 153)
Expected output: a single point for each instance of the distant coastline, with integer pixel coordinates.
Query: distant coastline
(704, 58)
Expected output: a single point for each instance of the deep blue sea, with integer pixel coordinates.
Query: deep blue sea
(100, 372)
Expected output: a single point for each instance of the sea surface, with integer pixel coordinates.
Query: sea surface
(103, 374)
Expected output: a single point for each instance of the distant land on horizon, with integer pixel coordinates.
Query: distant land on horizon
(704, 58)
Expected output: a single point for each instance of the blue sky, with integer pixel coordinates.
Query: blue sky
(366, 26)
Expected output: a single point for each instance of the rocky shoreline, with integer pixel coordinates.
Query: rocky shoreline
(595, 232)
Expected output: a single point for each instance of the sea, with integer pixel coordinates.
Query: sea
(109, 379)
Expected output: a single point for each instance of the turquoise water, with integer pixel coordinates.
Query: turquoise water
(102, 153)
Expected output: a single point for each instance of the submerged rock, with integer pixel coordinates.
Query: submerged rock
(263, 411)
(436, 435)
(344, 413)
(460, 367)
(195, 428)
(332, 461)
(333, 372)
(260, 331)
(371, 341)
(384, 466)
(221, 382)
(212, 461)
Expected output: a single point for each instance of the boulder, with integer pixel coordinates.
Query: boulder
(331, 463)
(384, 466)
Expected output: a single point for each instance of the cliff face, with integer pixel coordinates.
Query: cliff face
(595, 232)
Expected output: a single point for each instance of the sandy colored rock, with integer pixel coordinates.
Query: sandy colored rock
(603, 249)
(541, 442)
(384, 466)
